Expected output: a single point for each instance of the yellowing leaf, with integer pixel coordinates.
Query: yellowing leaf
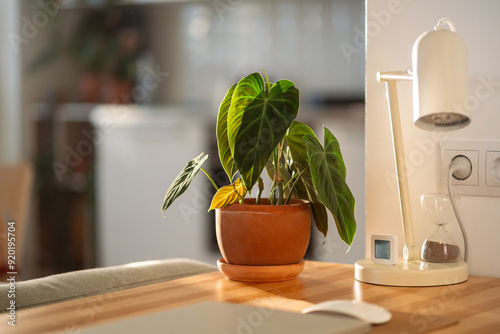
(228, 195)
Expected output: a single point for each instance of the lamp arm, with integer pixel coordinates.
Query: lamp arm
(390, 79)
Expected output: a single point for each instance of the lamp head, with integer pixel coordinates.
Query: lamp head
(440, 80)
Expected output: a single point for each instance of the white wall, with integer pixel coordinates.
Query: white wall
(392, 28)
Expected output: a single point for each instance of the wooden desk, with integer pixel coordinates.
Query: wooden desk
(475, 303)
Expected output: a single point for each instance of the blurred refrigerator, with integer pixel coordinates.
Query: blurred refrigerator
(140, 150)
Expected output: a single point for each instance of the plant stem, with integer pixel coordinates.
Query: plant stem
(268, 84)
(261, 188)
(295, 179)
(272, 193)
(211, 180)
(280, 193)
(277, 164)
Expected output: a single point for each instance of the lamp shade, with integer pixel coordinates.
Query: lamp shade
(440, 80)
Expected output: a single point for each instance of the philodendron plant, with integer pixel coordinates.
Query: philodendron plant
(256, 130)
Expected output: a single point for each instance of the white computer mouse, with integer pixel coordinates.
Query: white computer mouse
(367, 312)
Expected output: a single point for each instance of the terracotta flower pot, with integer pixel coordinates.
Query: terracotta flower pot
(263, 235)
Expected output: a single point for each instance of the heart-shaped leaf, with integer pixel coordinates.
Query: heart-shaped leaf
(329, 180)
(294, 139)
(228, 195)
(332, 145)
(319, 214)
(318, 209)
(257, 121)
(225, 156)
(183, 180)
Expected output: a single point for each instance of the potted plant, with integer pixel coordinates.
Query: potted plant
(256, 131)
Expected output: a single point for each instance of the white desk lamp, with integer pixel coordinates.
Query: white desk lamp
(440, 88)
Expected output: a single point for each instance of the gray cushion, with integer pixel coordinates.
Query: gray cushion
(89, 282)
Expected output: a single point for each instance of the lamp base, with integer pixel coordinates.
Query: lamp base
(415, 273)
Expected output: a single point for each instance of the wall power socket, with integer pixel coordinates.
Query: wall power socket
(484, 156)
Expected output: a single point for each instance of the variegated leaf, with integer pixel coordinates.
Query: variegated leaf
(183, 180)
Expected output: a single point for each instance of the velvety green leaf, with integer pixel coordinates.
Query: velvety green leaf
(183, 180)
(318, 209)
(329, 181)
(332, 145)
(319, 214)
(294, 139)
(305, 188)
(257, 121)
(298, 150)
(226, 158)
(228, 195)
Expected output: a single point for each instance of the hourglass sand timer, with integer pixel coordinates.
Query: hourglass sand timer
(440, 245)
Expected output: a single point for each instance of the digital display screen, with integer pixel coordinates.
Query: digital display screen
(383, 249)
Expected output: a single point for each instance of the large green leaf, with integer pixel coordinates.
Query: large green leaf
(294, 139)
(318, 209)
(257, 121)
(332, 145)
(183, 180)
(329, 180)
(225, 156)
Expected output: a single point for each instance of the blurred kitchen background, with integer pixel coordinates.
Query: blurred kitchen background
(110, 99)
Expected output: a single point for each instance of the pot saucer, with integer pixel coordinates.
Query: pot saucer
(260, 273)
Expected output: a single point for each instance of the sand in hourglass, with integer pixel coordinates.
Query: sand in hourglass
(434, 251)
(439, 246)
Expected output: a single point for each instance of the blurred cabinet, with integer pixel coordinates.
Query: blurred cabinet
(140, 151)
(63, 157)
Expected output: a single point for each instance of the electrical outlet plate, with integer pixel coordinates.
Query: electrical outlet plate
(473, 156)
(485, 158)
(493, 172)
